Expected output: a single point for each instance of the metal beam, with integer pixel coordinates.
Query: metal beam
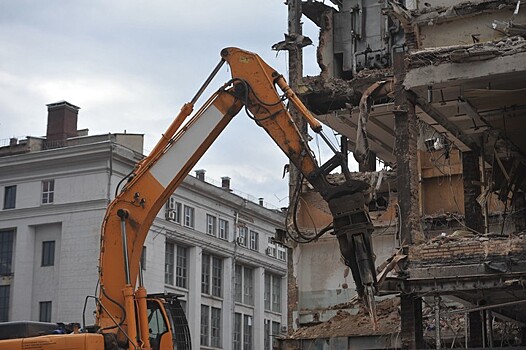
(432, 112)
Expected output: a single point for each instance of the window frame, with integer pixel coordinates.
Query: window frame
(222, 231)
(5, 295)
(205, 274)
(242, 235)
(48, 192)
(172, 205)
(189, 216)
(217, 277)
(254, 240)
(215, 327)
(45, 309)
(272, 292)
(7, 240)
(10, 197)
(205, 325)
(169, 267)
(211, 225)
(181, 267)
(248, 332)
(48, 253)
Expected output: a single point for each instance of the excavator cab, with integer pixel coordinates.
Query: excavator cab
(167, 323)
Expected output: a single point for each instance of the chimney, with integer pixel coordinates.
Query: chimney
(61, 121)
(200, 174)
(13, 141)
(261, 201)
(225, 183)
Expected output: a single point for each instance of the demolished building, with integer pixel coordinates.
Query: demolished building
(436, 91)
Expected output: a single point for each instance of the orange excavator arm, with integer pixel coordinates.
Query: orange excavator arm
(122, 309)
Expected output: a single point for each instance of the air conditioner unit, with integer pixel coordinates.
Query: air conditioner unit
(170, 215)
(283, 329)
(240, 241)
(268, 251)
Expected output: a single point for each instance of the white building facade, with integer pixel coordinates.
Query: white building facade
(209, 245)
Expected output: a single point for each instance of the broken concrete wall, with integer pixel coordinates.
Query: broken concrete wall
(477, 28)
(322, 278)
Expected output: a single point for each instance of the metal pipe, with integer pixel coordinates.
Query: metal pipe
(207, 82)
(123, 214)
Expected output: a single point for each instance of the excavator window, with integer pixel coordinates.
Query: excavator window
(157, 323)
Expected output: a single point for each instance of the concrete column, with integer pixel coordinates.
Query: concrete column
(411, 322)
(295, 66)
(292, 289)
(194, 294)
(22, 280)
(259, 308)
(471, 175)
(406, 133)
(475, 329)
(227, 314)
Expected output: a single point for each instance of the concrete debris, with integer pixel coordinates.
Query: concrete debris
(460, 250)
(467, 53)
(345, 324)
(438, 14)
(292, 42)
(324, 94)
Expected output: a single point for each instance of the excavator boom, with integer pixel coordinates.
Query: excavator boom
(123, 306)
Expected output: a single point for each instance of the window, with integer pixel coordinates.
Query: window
(282, 252)
(48, 253)
(45, 311)
(215, 328)
(143, 258)
(244, 285)
(169, 263)
(267, 294)
(276, 329)
(272, 293)
(276, 293)
(271, 248)
(181, 272)
(210, 326)
(254, 237)
(205, 274)
(211, 224)
(6, 252)
(173, 210)
(266, 336)
(4, 303)
(189, 216)
(271, 331)
(204, 325)
(217, 274)
(247, 332)
(243, 233)
(48, 191)
(237, 332)
(248, 286)
(238, 283)
(223, 229)
(9, 197)
(211, 275)
(156, 323)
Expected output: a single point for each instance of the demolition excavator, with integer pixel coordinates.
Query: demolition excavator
(126, 316)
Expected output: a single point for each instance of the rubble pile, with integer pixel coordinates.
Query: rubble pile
(345, 324)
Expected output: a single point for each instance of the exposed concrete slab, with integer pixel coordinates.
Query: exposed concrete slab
(447, 73)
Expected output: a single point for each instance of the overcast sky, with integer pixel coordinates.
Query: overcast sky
(130, 65)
